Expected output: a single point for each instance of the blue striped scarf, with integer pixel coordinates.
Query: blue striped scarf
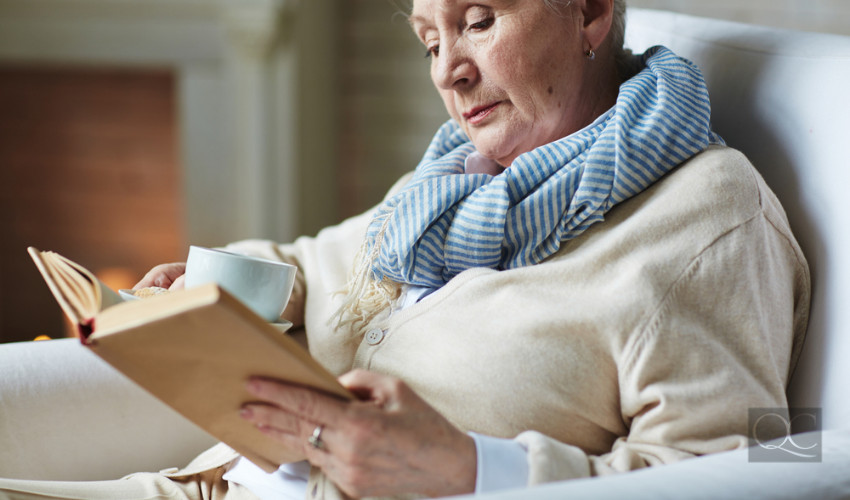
(444, 221)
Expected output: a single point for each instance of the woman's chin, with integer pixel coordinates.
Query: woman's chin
(494, 149)
(502, 158)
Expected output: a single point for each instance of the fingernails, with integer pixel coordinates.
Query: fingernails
(246, 413)
(253, 386)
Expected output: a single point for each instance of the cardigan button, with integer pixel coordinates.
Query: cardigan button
(374, 336)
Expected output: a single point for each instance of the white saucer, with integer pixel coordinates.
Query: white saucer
(282, 325)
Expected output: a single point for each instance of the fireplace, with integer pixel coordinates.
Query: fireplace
(90, 169)
(230, 81)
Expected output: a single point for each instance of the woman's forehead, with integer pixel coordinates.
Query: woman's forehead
(424, 8)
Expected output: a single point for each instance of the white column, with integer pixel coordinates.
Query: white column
(252, 27)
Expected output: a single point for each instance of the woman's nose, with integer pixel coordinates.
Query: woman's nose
(454, 68)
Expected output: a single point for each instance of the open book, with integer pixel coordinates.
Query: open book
(193, 349)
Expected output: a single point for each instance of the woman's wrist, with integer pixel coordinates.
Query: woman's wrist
(457, 475)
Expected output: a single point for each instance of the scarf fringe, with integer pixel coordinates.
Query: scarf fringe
(365, 294)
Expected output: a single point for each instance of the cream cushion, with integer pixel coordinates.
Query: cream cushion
(67, 415)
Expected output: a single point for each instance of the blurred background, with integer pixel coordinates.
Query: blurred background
(130, 129)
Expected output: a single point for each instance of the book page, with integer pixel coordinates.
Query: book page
(79, 293)
(75, 315)
(76, 287)
(101, 295)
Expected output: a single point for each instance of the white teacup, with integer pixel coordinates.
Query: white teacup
(263, 285)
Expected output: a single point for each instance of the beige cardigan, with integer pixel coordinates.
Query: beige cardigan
(643, 341)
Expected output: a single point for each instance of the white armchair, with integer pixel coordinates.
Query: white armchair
(67, 415)
(782, 98)
(778, 96)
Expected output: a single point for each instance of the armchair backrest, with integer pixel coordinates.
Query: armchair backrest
(783, 98)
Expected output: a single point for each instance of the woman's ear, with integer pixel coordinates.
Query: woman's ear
(598, 15)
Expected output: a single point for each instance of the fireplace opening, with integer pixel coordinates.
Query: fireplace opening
(89, 167)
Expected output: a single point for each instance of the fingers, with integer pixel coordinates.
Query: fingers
(163, 275)
(179, 283)
(298, 411)
(385, 392)
(290, 414)
(266, 416)
(361, 380)
(299, 401)
(389, 442)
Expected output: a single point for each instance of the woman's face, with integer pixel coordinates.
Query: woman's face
(512, 73)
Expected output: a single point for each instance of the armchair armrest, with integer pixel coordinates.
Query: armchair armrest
(722, 475)
(67, 415)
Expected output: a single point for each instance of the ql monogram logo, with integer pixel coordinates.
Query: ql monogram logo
(785, 435)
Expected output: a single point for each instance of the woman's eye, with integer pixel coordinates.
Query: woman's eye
(482, 25)
(433, 50)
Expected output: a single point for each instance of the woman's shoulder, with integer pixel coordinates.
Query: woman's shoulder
(705, 196)
(718, 189)
(665, 228)
(720, 177)
(722, 182)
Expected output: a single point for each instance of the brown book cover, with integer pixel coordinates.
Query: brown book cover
(193, 349)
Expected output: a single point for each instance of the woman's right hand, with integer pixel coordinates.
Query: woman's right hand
(168, 276)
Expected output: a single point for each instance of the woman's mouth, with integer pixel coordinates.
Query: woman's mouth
(477, 115)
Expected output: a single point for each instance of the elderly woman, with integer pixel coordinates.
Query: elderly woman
(578, 279)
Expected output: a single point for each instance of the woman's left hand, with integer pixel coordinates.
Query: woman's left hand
(388, 442)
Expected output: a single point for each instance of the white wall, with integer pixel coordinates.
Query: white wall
(828, 16)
